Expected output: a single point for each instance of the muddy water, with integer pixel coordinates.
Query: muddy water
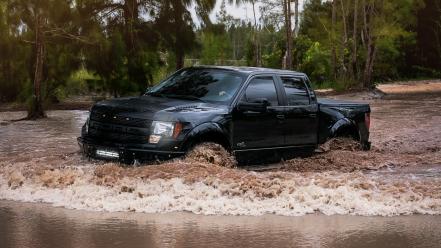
(38, 225)
(401, 175)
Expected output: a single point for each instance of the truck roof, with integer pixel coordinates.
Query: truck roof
(251, 70)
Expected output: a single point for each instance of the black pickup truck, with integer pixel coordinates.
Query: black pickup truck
(254, 113)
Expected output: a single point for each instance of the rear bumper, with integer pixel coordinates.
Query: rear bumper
(122, 152)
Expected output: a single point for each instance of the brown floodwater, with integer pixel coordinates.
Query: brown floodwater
(51, 195)
(39, 225)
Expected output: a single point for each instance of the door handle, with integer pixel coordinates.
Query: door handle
(280, 117)
(312, 115)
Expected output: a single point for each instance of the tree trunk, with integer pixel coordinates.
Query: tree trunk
(370, 45)
(333, 47)
(288, 56)
(295, 31)
(179, 58)
(343, 15)
(289, 39)
(437, 30)
(284, 65)
(370, 58)
(131, 16)
(344, 66)
(36, 109)
(354, 41)
(296, 18)
(258, 61)
(178, 10)
(131, 19)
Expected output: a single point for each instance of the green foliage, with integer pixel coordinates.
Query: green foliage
(107, 60)
(177, 27)
(393, 32)
(316, 24)
(393, 36)
(273, 59)
(272, 47)
(301, 45)
(18, 28)
(79, 82)
(216, 47)
(316, 63)
(121, 47)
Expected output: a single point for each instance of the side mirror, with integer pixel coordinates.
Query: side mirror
(257, 105)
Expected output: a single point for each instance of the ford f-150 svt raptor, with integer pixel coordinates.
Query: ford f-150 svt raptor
(254, 113)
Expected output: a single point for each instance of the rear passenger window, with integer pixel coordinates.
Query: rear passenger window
(296, 92)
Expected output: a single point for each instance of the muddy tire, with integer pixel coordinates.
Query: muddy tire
(341, 143)
(211, 153)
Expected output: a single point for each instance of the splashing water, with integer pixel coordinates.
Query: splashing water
(39, 162)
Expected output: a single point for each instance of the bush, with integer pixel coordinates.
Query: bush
(316, 64)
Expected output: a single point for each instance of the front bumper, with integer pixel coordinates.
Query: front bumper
(124, 153)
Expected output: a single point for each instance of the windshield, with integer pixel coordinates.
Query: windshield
(204, 84)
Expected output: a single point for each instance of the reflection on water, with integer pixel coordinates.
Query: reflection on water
(37, 225)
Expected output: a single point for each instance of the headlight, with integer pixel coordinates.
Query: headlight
(163, 128)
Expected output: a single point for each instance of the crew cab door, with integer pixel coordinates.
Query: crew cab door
(301, 112)
(257, 116)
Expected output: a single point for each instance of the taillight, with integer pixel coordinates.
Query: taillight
(367, 120)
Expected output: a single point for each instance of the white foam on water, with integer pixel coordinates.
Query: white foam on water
(223, 197)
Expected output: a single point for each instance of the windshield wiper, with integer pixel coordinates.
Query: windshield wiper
(187, 97)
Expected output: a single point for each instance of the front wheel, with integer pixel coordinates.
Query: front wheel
(212, 153)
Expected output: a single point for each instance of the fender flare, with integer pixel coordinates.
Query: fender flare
(341, 124)
(202, 129)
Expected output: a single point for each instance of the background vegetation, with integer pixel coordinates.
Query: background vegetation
(50, 49)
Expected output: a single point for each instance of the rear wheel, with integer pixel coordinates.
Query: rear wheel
(347, 143)
(212, 153)
(347, 138)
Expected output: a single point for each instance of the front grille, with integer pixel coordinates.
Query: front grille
(114, 126)
(118, 133)
(117, 119)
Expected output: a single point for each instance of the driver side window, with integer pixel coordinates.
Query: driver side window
(261, 88)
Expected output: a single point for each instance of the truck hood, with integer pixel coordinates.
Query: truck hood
(141, 104)
(157, 108)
